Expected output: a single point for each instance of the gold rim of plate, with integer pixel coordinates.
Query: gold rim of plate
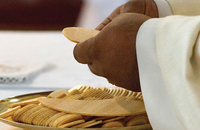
(6, 102)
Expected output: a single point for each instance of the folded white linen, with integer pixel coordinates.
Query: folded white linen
(17, 73)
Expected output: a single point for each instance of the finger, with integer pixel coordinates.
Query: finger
(151, 9)
(114, 14)
(103, 24)
(134, 6)
(83, 51)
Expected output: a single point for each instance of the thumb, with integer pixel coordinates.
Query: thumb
(83, 51)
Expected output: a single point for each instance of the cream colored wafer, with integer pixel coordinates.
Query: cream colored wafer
(75, 97)
(92, 98)
(75, 87)
(134, 94)
(39, 119)
(84, 124)
(112, 91)
(66, 119)
(39, 116)
(24, 103)
(121, 92)
(9, 112)
(96, 88)
(114, 119)
(108, 107)
(77, 34)
(92, 124)
(50, 121)
(104, 89)
(62, 95)
(117, 92)
(103, 118)
(19, 112)
(120, 98)
(131, 98)
(84, 88)
(57, 93)
(35, 114)
(124, 92)
(24, 114)
(48, 115)
(129, 93)
(97, 93)
(112, 124)
(138, 120)
(89, 93)
(138, 94)
(10, 118)
(128, 118)
(73, 123)
(73, 92)
(105, 95)
(29, 113)
(107, 90)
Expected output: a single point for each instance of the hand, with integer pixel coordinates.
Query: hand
(112, 52)
(146, 7)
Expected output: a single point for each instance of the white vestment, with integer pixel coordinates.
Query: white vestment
(168, 52)
(169, 67)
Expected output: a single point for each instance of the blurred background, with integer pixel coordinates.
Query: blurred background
(54, 14)
(31, 33)
(38, 14)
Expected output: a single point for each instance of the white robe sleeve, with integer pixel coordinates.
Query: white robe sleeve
(157, 103)
(168, 59)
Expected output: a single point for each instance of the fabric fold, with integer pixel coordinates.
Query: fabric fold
(178, 57)
(17, 73)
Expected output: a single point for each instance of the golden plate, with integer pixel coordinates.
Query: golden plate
(6, 102)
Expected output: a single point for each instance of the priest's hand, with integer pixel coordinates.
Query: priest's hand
(112, 52)
(146, 7)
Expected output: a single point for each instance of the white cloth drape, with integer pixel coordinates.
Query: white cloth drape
(169, 67)
(179, 59)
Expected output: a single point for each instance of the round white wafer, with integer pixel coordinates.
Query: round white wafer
(73, 123)
(9, 112)
(19, 112)
(66, 119)
(112, 124)
(138, 120)
(29, 113)
(53, 118)
(77, 34)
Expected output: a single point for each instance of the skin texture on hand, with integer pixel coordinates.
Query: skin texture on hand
(146, 7)
(112, 52)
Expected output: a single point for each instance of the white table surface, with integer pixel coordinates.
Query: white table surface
(43, 47)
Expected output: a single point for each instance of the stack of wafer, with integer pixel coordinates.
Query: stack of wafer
(81, 107)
